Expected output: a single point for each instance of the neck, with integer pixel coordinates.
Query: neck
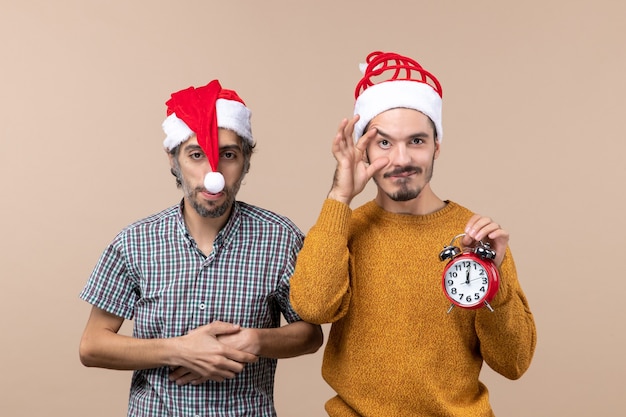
(203, 229)
(425, 203)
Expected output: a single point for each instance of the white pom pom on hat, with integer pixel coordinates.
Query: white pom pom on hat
(393, 81)
(214, 182)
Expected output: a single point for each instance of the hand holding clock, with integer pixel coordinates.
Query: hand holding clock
(483, 228)
(484, 246)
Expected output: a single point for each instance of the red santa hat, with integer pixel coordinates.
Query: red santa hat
(201, 111)
(392, 81)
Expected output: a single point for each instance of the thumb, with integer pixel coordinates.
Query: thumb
(467, 241)
(376, 166)
(217, 328)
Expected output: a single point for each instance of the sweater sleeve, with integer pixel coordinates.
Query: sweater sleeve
(507, 335)
(320, 286)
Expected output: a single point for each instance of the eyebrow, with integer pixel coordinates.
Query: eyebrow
(230, 147)
(194, 147)
(413, 135)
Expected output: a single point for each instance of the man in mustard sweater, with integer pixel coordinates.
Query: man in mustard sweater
(375, 274)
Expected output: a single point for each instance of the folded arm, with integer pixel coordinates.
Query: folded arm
(199, 350)
(294, 339)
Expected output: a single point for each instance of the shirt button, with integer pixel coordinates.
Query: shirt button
(202, 306)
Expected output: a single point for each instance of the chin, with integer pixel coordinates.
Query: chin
(404, 194)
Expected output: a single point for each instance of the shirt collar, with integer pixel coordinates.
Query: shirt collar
(224, 236)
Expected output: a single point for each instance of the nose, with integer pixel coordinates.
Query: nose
(400, 155)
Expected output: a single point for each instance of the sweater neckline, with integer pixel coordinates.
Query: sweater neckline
(375, 210)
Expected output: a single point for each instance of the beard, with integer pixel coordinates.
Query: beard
(210, 209)
(405, 192)
(213, 210)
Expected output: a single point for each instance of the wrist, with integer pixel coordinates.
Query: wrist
(172, 349)
(337, 196)
(255, 341)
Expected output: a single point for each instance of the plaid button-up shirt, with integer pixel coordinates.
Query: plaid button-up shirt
(154, 274)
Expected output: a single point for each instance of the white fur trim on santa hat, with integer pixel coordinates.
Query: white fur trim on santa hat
(176, 131)
(397, 94)
(235, 116)
(231, 115)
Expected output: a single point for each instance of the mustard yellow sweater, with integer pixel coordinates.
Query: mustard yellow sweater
(392, 349)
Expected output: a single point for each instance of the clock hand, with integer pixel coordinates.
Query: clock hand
(467, 280)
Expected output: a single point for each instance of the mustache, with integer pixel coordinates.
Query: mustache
(402, 170)
(201, 188)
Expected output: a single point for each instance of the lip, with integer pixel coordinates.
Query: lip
(402, 175)
(210, 196)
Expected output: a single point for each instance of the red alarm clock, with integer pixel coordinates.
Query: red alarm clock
(470, 279)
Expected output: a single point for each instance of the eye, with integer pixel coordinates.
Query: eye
(196, 155)
(229, 155)
(417, 141)
(385, 144)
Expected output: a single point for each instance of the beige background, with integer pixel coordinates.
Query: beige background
(534, 137)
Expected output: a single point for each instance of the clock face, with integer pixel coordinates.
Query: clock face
(466, 282)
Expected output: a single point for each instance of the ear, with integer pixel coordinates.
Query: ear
(170, 158)
(437, 149)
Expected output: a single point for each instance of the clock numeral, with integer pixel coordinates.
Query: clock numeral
(462, 265)
(482, 289)
(453, 290)
(485, 281)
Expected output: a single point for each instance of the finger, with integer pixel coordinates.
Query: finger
(339, 142)
(499, 235)
(487, 230)
(348, 130)
(196, 379)
(217, 377)
(219, 327)
(217, 370)
(342, 143)
(203, 380)
(186, 379)
(225, 369)
(376, 166)
(178, 373)
(477, 225)
(471, 223)
(365, 140)
(240, 357)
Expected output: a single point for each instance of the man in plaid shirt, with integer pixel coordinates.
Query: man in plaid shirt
(205, 281)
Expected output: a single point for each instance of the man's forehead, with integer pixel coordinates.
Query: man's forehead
(403, 112)
(402, 121)
(226, 139)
